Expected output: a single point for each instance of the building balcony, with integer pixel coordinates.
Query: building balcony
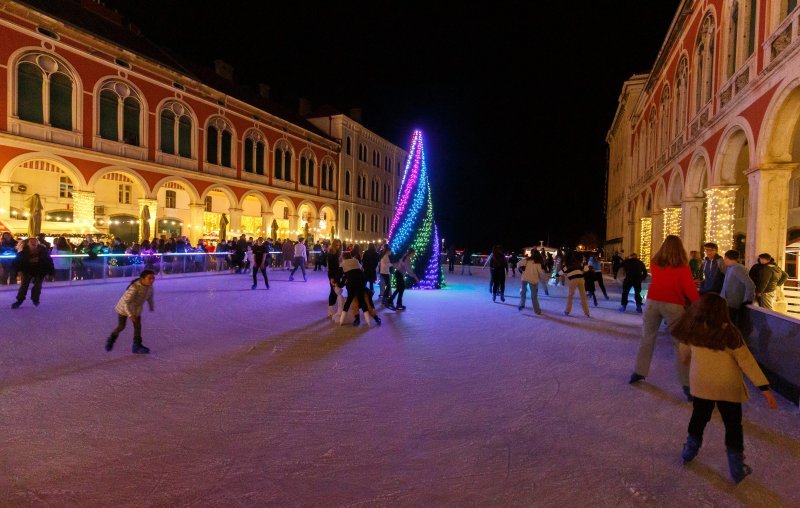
(215, 169)
(120, 149)
(783, 39)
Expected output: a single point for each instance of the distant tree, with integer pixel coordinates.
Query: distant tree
(589, 240)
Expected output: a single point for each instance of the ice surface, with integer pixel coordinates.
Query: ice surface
(254, 398)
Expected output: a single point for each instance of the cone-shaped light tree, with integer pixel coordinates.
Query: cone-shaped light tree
(413, 225)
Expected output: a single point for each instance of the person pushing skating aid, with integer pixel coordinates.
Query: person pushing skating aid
(130, 306)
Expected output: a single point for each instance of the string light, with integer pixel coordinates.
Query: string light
(413, 224)
(672, 221)
(721, 216)
(646, 239)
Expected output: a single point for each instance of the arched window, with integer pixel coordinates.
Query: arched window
(283, 161)
(326, 175)
(219, 142)
(307, 169)
(784, 8)
(120, 111)
(681, 87)
(348, 146)
(46, 92)
(347, 183)
(666, 109)
(740, 34)
(255, 148)
(704, 63)
(347, 220)
(176, 130)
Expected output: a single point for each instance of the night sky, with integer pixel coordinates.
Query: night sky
(514, 98)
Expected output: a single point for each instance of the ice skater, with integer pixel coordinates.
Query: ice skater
(33, 261)
(573, 271)
(356, 290)
(259, 253)
(714, 350)
(401, 269)
(130, 306)
(386, 277)
(335, 300)
(300, 258)
(532, 273)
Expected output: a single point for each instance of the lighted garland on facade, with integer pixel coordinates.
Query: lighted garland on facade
(672, 221)
(646, 239)
(721, 216)
(413, 224)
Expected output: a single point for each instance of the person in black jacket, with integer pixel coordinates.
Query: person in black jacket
(34, 263)
(369, 261)
(635, 274)
(499, 265)
(260, 262)
(616, 263)
(334, 278)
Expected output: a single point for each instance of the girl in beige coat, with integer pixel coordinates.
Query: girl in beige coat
(717, 356)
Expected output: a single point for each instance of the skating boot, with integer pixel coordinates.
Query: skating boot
(737, 466)
(139, 348)
(110, 342)
(330, 310)
(690, 448)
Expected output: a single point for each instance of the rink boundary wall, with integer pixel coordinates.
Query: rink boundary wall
(774, 340)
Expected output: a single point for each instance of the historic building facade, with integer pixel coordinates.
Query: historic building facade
(707, 144)
(371, 172)
(102, 127)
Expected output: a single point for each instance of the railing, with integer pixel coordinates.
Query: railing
(737, 82)
(79, 269)
(782, 38)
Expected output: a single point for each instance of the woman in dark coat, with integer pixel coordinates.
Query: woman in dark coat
(369, 261)
(499, 265)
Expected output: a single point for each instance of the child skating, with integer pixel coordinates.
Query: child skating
(717, 356)
(130, 306)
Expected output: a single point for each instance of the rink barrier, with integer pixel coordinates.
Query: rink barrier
(84, 269)
(774, 339)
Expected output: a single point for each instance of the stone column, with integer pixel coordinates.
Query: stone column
(5, 200)
(630, 239)
(658, 232)
(152, 206)
(294, 221)
(645, 239)
(721, 215)
(83, 209)
(197, 221)
(768, 211)
(672, 221)
(235, 218)
(266, 223)
(691, 223)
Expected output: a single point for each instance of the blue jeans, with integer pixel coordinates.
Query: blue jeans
(534, 295)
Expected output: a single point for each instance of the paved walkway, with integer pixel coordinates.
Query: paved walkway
(254, 398)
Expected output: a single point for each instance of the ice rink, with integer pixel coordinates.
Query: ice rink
(254, 398)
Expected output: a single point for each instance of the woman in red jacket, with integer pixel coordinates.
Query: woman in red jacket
(671, 287)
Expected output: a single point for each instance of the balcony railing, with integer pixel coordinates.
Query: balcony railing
(737, 82)
(783, 38)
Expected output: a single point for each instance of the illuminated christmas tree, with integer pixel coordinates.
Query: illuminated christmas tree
(413, 225)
